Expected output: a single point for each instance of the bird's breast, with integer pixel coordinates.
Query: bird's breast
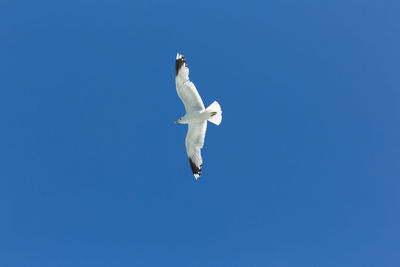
(198, 116)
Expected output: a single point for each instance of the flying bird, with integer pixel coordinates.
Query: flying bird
(196, 115)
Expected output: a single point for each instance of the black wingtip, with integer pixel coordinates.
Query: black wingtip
(195, 170)
(179, 63)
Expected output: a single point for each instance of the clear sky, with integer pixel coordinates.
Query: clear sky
(303, 171)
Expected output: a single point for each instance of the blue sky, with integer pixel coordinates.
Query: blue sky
(303, 171)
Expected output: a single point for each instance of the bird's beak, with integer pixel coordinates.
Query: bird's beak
(175, 122)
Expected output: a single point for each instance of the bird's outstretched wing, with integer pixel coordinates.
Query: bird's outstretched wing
(194, 143)
(186, 90)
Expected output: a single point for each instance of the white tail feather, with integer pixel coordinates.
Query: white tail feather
(216, 118)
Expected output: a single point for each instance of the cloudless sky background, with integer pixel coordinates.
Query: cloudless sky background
(303, 171)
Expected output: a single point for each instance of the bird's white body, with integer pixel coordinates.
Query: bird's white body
(196, 115)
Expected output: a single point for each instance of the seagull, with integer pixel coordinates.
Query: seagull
(196, 115)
